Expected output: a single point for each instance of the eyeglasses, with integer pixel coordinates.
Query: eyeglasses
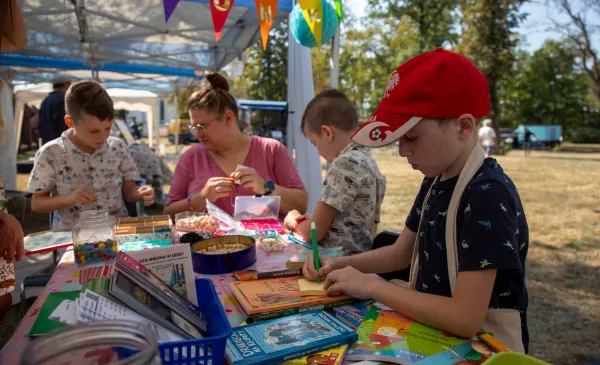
(197, 128)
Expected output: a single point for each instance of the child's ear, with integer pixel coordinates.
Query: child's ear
(68, 121)
(328, 131)
(467, 126)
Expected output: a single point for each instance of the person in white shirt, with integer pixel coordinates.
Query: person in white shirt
(487, 137)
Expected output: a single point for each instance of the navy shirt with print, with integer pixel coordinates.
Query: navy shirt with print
(492, 234)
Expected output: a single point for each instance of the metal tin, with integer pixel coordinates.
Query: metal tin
(213, 264)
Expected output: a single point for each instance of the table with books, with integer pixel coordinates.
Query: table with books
(266, 313)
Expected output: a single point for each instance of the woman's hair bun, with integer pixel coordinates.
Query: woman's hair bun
(217, 81)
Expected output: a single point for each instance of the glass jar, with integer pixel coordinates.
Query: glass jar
(116, 342)
(94, 237)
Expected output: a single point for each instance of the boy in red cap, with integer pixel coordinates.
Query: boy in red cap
(466, 236)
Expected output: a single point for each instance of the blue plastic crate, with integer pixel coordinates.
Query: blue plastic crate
(208, 350)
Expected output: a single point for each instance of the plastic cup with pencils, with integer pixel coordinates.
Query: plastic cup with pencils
(315, 247)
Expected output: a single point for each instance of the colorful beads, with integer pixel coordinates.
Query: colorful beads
(92, 252)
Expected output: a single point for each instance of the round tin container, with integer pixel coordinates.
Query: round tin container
(213, 264)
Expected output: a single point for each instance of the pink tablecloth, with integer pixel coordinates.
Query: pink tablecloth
(66, 277)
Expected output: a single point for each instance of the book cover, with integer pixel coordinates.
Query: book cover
(245, 275)
(261, 296)
(43, 323)
(173, 265)
(288, 312)
(297, 261)
(352, 313)
(333, 356)
(283, 339)
(385, 335)
(142, 275)
(146, 304)
(472, 352)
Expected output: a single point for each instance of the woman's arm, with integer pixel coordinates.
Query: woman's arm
(292, 198)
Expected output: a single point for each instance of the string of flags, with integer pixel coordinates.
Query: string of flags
(312, 11)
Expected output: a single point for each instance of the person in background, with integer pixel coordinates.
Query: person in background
(487, 137)
(527, 141)
(52, 112)
(13, 37)
(229, 163)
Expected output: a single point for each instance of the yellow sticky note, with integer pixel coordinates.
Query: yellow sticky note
(311, 288)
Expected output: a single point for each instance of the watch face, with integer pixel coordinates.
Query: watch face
(269, 185)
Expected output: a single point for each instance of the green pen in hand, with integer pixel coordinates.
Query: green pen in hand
(315, 247)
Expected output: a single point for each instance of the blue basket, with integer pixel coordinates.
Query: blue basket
(208, 350)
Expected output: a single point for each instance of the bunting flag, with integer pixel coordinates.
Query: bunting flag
(313, 14)
(220, 10)
(338, 9)
(266, 13)
(169, 6)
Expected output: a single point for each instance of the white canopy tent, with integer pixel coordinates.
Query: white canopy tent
(127, 99)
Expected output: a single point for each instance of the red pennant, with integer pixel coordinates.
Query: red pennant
(220, 10)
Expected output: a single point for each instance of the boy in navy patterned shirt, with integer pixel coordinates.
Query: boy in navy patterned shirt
(467, 226)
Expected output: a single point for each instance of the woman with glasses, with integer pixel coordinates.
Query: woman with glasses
(229, 163)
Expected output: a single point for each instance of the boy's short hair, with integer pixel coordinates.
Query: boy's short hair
(330, 107)
(88, 97)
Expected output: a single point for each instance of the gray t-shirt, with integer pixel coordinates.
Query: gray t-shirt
(355, 187)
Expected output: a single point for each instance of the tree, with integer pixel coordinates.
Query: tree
(434, 20)
(489, 38)
(547, 89)
(265, 71)
(581, 31)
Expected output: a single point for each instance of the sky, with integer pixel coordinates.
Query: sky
(534, 28)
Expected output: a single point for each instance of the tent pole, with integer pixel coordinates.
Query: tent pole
(176, 131)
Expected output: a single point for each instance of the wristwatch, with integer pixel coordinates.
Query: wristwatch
(269, 186)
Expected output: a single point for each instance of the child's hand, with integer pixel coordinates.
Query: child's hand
(309, 271)
(349, 281)
(290, 219)
(81, 196)
(146, 193)
(11, 238)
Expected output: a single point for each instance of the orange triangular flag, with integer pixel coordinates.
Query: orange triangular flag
(266, 13)
(220, 10)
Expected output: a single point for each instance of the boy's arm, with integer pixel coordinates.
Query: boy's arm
(323, 216)
(130, 191)
(44, 203)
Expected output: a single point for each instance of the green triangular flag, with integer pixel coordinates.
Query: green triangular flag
(338, 8)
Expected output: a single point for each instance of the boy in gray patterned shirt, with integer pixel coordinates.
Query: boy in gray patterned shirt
(350, 204)
(85, 169)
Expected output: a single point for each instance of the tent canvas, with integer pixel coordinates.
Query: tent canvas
(127, 99)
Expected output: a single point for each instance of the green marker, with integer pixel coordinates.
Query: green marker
(315, 247)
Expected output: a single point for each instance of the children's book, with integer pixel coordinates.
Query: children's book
(245, 275)
(297, 261)
(352, 314)
(332, 356)
(385, 335)
(283, 339)
(48, 318)
(269, 295)
(474, 352)
(173, 265)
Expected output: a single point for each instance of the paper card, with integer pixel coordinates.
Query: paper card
(65, 312)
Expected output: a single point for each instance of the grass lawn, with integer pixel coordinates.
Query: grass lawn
(559, 192)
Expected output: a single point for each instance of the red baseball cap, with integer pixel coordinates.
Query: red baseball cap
(438, 84)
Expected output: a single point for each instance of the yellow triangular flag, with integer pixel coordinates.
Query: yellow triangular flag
(313, 14)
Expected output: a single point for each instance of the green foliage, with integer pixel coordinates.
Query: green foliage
(489, 38)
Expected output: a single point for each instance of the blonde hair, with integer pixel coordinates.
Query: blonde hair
(487, 122)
